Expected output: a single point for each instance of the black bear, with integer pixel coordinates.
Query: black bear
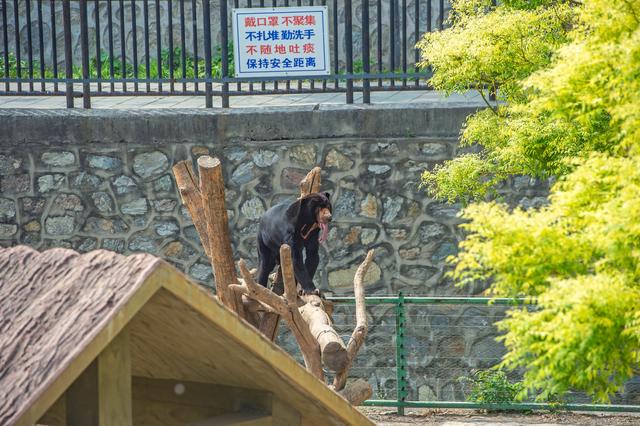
(303, 225)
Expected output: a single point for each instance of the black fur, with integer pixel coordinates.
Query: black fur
(284, 223)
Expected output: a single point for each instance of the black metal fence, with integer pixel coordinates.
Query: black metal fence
(85, 48)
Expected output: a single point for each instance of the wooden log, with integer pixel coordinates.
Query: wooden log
(332, 349)
(360, 331)
(311, 182)
(309, 345)
(357, 392)
(187, 183)
(271, 321)
(240, 310)
(255, 306)
(260, 293)
(215, 212)
(250, 307)
(269, 325)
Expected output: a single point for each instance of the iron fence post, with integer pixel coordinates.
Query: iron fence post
(401, 360)
(29, 44)
(159, 45)
(41, 44)
(66, 16)
(54, 44)
(172, 84)
(98, 43)
(84, 47)
(5, 40)
(224, 51)
(336, 46)
(123, 46)
(206, 27)
(366, 93)
(348, 48)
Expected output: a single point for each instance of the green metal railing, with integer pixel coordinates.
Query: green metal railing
(400, 302)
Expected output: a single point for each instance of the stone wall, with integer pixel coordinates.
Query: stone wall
(215, 25)
(123, 198)
(97, 193)
(101, 179)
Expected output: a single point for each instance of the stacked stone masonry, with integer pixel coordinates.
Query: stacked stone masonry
(123, 198)
(88, 180)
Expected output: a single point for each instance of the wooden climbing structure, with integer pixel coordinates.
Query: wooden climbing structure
(308, 316)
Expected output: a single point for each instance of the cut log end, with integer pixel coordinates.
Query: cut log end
(334, 356)
(208, 162)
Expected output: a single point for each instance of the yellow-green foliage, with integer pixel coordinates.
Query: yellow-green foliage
(572, 112)
(576, 95)
(493, 49)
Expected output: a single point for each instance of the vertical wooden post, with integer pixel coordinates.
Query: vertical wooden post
(114, 382)
(213, 203)
(101, 395)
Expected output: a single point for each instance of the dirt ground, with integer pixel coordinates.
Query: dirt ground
(450, 417)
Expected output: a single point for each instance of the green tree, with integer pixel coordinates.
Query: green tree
(568, 79)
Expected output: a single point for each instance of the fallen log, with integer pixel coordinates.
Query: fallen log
(332, 348)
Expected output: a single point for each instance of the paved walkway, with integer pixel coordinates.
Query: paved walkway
(147, 102)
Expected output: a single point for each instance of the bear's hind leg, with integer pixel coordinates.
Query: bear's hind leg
(266, 263)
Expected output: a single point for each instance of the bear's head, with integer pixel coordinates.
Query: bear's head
(311, 209)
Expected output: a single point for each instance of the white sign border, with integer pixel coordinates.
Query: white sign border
(283, 74)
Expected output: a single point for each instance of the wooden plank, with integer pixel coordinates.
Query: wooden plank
(114, 382)
(178, 402)
(82, 398)
(239, 419)
(184, 392)
(154, 413)
(284, 414)
(56, 415)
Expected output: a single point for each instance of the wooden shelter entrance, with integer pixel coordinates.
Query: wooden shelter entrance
(104, 339)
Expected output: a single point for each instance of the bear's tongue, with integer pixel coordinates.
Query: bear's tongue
(324, 232)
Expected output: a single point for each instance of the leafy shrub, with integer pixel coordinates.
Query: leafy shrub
(491, 387)
(105, 66)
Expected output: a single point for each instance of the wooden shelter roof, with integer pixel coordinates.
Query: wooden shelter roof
(60, 309)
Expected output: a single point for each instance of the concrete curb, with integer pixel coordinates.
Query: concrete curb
(35, 126)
